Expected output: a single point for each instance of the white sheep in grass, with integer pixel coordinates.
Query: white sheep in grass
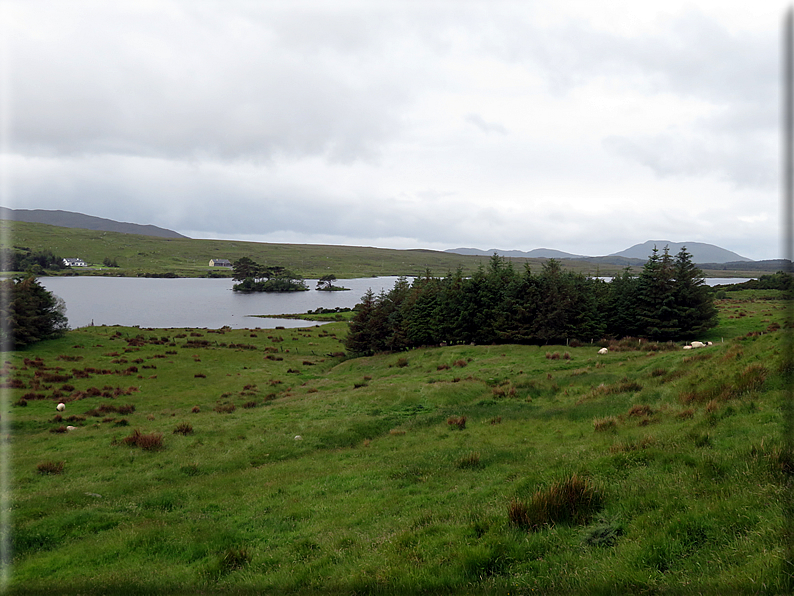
(60, 407)
(698, 344)
(603, 351)
(71, 428)
(687, 347)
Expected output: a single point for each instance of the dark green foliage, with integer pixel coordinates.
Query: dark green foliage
(29, 313)
(500, 305)
(22, 259)
(254, 277)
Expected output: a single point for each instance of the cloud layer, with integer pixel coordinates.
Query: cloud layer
(509, 124)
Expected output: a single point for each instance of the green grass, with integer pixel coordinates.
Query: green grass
(381, 493)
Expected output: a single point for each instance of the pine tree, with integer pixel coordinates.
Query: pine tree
(657, 314)
(694, 302)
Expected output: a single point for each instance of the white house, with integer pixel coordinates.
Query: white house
(74, 263)
(220, 263)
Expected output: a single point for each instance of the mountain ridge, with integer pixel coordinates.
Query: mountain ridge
(73, 219)
(634, 255)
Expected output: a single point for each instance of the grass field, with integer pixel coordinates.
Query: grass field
(184, 257)
(262, 461)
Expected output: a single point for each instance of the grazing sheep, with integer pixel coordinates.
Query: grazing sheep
(60, 407)
(71, 428)
(687, 347)
(298, 438)
(603, 351)
(698, 344)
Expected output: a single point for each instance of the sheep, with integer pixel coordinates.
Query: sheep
(60, 407)
(687, 347)
(698, 344)
(298, 438)
(603, 351)
(71, 428)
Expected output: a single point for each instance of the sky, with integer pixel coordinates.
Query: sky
(581, 126)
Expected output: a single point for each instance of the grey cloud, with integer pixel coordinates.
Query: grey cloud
(747, 161)
(193, 88)
(484, 126)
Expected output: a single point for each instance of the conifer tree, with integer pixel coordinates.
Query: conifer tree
(657, 314)
(694, 302)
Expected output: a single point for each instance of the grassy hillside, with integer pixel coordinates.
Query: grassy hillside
(266, 463)
(137, 255)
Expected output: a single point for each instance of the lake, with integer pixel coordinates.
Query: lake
(194, 302)
(201, 302)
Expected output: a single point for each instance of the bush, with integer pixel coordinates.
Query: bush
(402, 362)
(573, 500)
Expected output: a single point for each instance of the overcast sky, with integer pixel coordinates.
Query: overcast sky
(577, 125)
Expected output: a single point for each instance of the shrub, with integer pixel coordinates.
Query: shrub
(21, 402)
(250, 404)
(402, 362)
(573, 500)
(183, 428)
(442, 367)
(225, 408)
(459, 363)
(122, 422)
(457, 421)
(50, 467)
(150, 442)
(195, 409)
(60, 429)
(566, 356)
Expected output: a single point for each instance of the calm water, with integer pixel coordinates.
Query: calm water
(190, 302)
(209, 303)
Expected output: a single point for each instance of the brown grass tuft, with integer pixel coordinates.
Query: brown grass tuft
(50, 467)
(183, 428)
(573, 500)
(150, 442)
(608, 423)
(457, 421)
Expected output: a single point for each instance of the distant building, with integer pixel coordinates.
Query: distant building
(220, 263)
(74, 263)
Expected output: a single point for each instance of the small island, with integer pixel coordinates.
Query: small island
(326, 284)
(254, 277)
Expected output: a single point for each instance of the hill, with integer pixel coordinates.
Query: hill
(70, 219)
(701, 253)
(634, 256)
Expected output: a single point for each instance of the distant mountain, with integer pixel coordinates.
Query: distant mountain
(701, 253)
(70, 219)
(537, 253)
(636, 255)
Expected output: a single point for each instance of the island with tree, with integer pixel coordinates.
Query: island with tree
(254, 277)
(326, 284)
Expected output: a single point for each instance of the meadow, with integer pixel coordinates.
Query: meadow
(264, 461)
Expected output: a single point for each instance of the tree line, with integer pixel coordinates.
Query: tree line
(668, 300)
